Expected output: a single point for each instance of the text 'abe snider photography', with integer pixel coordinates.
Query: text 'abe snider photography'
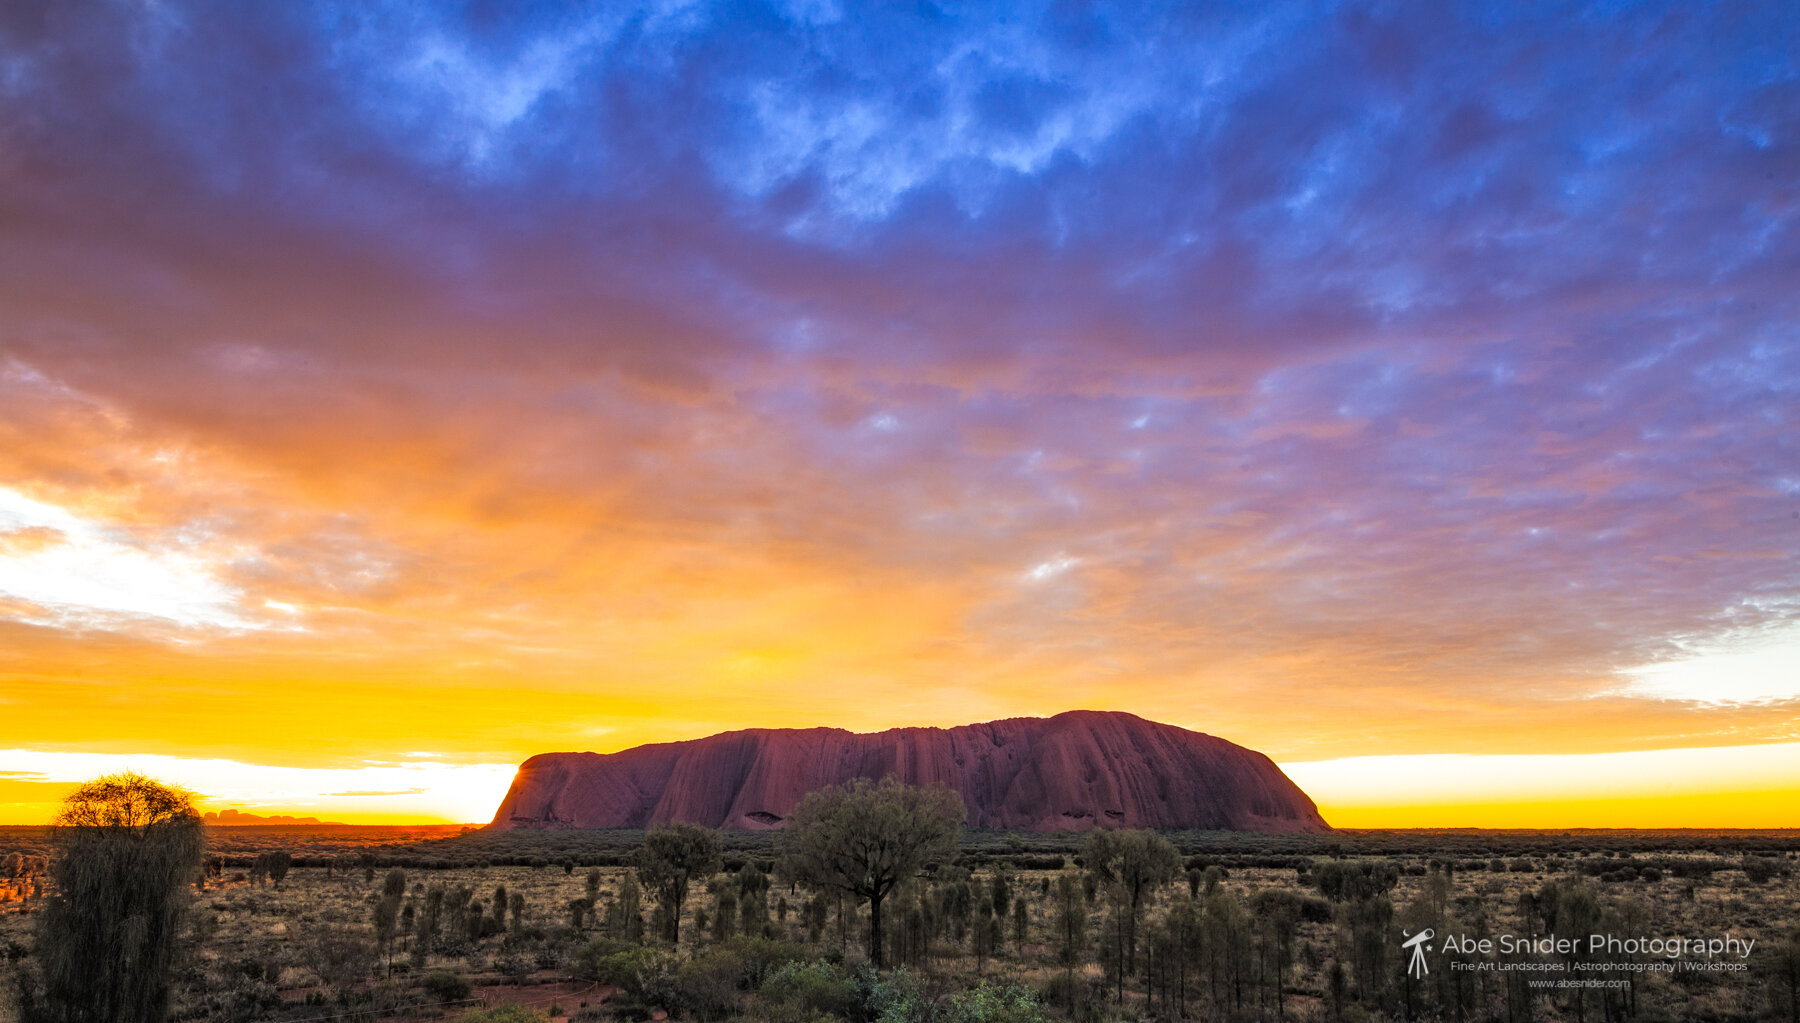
(1552, 953)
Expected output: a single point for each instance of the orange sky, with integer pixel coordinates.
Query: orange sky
(404, 400)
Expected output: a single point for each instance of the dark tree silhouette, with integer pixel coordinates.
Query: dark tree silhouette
(864, 838)
(386, 914)
(674, 856)
(127, 847)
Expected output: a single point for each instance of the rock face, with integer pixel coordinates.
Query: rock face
(1070, 772)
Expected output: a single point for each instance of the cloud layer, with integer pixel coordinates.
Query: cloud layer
(1340, 382)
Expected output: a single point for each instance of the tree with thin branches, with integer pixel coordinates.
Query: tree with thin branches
(1131, 864)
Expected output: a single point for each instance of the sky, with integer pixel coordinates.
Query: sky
(392, 391)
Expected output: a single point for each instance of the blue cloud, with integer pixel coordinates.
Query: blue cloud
(1498, 296)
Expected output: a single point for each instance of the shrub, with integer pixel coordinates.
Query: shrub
(895, 1000)
(445, 986)
(706, 987)
(813, 988)
(1078, 994)
(643, 974)
(504, 1014)
(761, 957)
(989, 1003)
(587, 961)
(1759, 870)
(1271, 901)
(1354, 880)
(514, 967)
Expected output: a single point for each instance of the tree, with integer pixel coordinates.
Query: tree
(1132, 864)
(1784, 978)
(280, 862)
(1000, 890)
(864, 838)
(1071, 929)
(386, 917)
(630, 907)
(127, 848)
(725, 912)
(387, 913)
(339, 956)
(753, 899)
(674, 856)
(431, 916)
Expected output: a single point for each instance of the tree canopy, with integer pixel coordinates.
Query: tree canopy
(1131, 864)
(864, 838)
(674, 856)
(127, 846)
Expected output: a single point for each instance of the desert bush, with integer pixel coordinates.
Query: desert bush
(1759, 869)
(813, 988)
(896, 999)
(514, 967)
(504, 1014)
(643, 974)
(338, 956)
(241, 1001)
(1079, 995)
(761, 957)
(706, 987)
(989, 1003)
(1354, 880)
(901, 999)
(1276, 901)
(445, 986)
(586, 963)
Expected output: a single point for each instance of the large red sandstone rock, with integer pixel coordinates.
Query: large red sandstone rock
(1065, 773)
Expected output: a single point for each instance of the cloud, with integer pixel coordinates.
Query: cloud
(1325, 378)
(81, 573)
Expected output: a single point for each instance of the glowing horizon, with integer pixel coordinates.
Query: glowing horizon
(1741, 787)
(1346, 384)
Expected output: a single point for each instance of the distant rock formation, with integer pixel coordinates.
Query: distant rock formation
(1070, 772)
(240, 819)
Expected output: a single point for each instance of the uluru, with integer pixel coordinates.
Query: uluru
(1071, 772)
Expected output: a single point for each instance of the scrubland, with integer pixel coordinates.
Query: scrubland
(1249, 928)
